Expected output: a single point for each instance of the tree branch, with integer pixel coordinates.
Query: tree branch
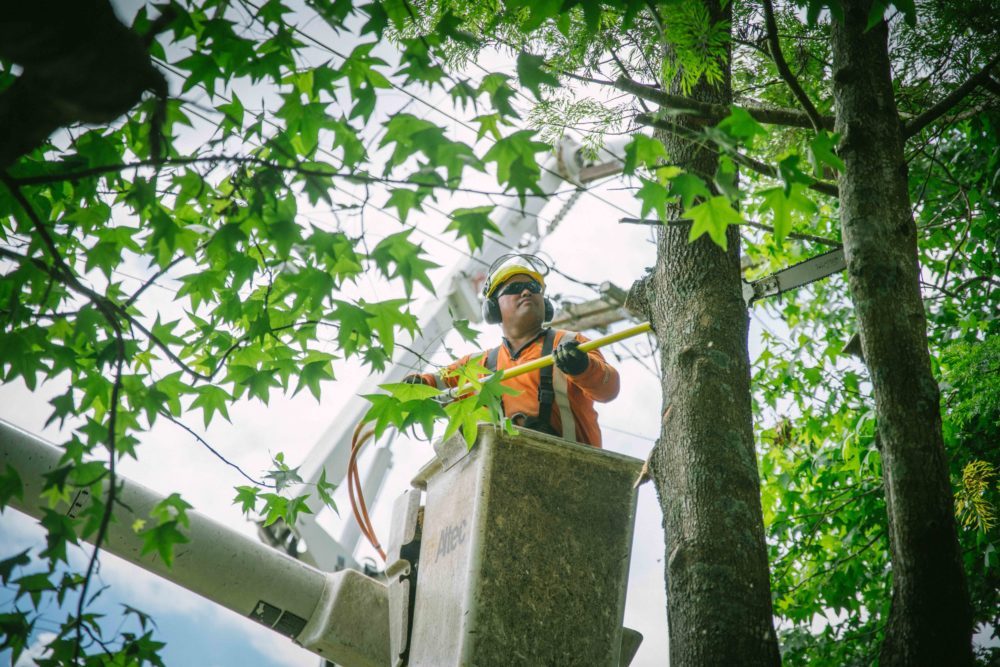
(102, 530)
(214, 451)
(626, 74)
(954, 292)
(926, 118)
(829, 189)
(716, 112)
(783, 69)
(746, 223)
(156, 276)
(259, 162)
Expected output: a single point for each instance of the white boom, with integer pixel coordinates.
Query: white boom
(341, 616)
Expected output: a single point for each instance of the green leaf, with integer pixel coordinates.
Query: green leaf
(275, 507)
(33, 585)
(212, 399)
(725, 178)
(788, 168)
(90, 218)
(297, 505)
(465, 330)
(909, 9)
(164, 332)
(385, 412)
(491, 391)
(822, 152)
(282, 474)
(397, 256)
(465, 415)
(203, 69)
(171, 508)
(463, 94)
(406, 405)
(260, 383)
(500, 93)
(246, 496)
(8, 565)
(10, 486)
(353, 329)
(404, 200)
(741, 126)
(472, 224)
(404, 391)
(162, 539)
(644, 151)
(325, 490)
(488, 123)
(232, 112)
(712, 217)
(783, 205)
(386, 317)
(516, 164)
(531, 72)
(423, 412)
(59, 533)
(653, 197)
(312, 374)
(688, 187)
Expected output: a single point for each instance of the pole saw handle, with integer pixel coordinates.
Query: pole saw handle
(549, 359)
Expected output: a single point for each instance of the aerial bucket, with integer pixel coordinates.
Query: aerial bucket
(523, 555)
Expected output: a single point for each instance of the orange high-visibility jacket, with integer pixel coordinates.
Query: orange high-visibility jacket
(600, 382)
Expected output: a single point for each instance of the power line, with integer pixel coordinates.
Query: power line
(630, 433)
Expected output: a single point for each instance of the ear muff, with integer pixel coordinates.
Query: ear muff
(550, 311)
(491, 311)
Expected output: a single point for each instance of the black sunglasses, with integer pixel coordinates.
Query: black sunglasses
(532, 286)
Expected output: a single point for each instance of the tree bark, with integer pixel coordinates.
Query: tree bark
(704, 464)
(929, 620)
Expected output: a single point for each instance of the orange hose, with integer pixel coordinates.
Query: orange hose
(354, 492)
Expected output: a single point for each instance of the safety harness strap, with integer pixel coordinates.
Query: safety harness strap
(546, 395)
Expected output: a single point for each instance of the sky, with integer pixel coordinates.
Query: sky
(589, 244)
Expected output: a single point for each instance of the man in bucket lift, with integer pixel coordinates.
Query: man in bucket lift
(559, 400)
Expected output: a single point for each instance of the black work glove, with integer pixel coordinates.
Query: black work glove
(570, 359)
(413, 379)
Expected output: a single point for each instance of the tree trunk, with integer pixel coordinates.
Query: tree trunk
(704, 465)
(929, 621)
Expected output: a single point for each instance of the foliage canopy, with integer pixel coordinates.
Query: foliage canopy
(205, 190)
